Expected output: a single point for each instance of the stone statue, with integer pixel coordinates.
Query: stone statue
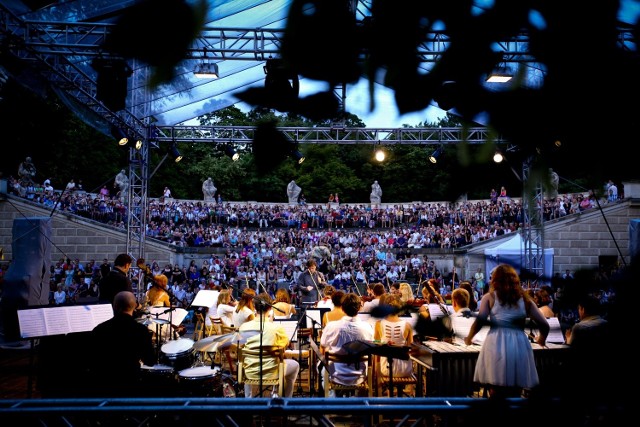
(27, 171)
(554, 180)
(293, 192)
(209, 190)
(122, 182)
(376, 193)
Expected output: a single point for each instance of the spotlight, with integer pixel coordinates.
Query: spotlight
(433, 158)
(175, 153)
(206, 70)
(138, 144)
(380, 155)
(120, 135)
(229, 151)
(297, 156)
(500, 75)
(282, 85)
(498, 157)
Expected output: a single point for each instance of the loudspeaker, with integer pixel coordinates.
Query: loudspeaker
(26, 282)
(112, 82)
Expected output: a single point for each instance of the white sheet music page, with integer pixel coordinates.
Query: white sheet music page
(47, 321)
(289, 327)
(555, 331)
(175, 316)
(435, 311)
(461, 328)
(205, 298)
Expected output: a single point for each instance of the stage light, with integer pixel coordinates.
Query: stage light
(498, 157)
(175, 153)
(232, 153)
(433, 158)
(206, 70)
(500, 75)
(297, 156)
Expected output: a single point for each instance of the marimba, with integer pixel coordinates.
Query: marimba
(446, 370)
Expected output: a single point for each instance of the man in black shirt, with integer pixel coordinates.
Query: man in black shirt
(118, 346)
(117, 279)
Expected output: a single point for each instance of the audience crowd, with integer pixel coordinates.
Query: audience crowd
(266, 245)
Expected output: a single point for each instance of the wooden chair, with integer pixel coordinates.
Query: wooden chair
(304, 359)
(365, 386)
(274, 378)
(397, 384)
(198, 330)
(216, 326)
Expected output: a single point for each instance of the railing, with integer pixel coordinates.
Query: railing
(241, 411)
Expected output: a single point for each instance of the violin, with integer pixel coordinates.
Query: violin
(417, 302)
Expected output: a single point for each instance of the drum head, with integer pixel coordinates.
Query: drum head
(157, 369)
(178, 346)
(199, 372)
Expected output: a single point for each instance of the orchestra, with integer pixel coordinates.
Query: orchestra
(422, 306)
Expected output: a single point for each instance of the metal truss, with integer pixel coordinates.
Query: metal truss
(239, 44)
(241, 411)
(332, 135)
(533, 227)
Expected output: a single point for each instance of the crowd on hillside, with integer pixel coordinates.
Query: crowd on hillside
(267, 244)
(229, 224)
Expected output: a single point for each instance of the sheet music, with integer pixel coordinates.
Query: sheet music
(176, 316)
(40, 322)
(462, 326)
(289, 326)
(205, 298)
(316, 314)
(435, 311)
(555, 331)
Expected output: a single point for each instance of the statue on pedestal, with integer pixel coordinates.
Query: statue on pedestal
(293, 192)
(209, 190)
(122, 182)
(376, 193)
(27, 172)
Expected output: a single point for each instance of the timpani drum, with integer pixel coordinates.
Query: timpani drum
(158, 380)
(179, 353)
(200, 381)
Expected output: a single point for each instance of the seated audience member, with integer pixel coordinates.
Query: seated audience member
(272, 335)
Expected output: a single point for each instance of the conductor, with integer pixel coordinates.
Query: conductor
(310, 283)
